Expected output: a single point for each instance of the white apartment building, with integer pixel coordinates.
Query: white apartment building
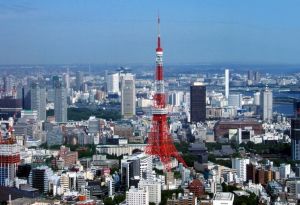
(137, 196)
(154, 189)
(240, 164)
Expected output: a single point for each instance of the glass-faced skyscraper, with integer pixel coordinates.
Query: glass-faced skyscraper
(79, 80)
(198, 102)
(295, 138)
(38, 100)
(128, 96)
(60, 101)
(295, 132)
(267, 105)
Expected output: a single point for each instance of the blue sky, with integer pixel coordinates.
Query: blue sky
(124, 31)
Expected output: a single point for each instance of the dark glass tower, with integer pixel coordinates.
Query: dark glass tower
(295, 132)
(198, 102)
(297, 109)
(295, 137)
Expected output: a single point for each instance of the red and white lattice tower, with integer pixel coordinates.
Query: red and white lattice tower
(160, 143)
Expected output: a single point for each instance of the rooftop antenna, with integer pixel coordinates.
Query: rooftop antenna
(158, 30)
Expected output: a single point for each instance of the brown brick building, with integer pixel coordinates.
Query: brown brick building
(196, 187)
(222, 127)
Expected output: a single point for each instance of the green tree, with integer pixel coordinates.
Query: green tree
(109, 201)
(119, 198)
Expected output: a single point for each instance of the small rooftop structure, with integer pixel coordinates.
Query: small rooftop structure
(223, 198)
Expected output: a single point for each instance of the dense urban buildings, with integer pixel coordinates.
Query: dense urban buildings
(182, 134)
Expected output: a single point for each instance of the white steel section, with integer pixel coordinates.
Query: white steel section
(159, 58)
(159, 86)
(159, 111)
(9, 149)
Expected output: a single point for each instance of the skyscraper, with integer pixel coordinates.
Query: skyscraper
(112, 83)
(66, 78)
(267, 105)
(128, 96)
(60, 103)
(38, 100)
(256, 98)
(226, 83)
(8, 84)
(79, 80)
(198, 102)
(26, 97)
(295, 132)
(295, 136)
(250, 75)
(297, 109)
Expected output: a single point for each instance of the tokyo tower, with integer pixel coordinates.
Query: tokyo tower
(160, 143)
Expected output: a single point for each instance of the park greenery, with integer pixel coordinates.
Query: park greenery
(78, 114)
(240, 200)
(87, 150)
(167, 194)
(117, 199)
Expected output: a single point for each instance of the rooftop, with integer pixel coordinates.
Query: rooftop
(223, 196)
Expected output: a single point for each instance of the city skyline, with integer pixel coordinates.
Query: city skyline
(101, 32)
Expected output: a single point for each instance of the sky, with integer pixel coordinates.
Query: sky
(125, 31)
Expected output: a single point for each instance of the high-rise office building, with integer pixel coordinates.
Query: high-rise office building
(8, 85)
(198, 102)
(38, 100)
(250, 75)
(235, 100)
(60, 103)
(134, 168)
(256, 98)
(79, 80)
(295, 138)
(226, 81)
(66, 79)
(256, 76)
(297, 109)
(267, 105)
(128, 96)
(39, 178)
(26, 97)
(112, 83)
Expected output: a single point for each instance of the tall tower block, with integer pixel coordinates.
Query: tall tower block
(160, 143)
(226, 83)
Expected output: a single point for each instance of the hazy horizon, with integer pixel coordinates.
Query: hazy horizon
(124, 32)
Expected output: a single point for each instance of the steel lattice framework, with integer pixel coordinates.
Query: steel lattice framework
(160, 143)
